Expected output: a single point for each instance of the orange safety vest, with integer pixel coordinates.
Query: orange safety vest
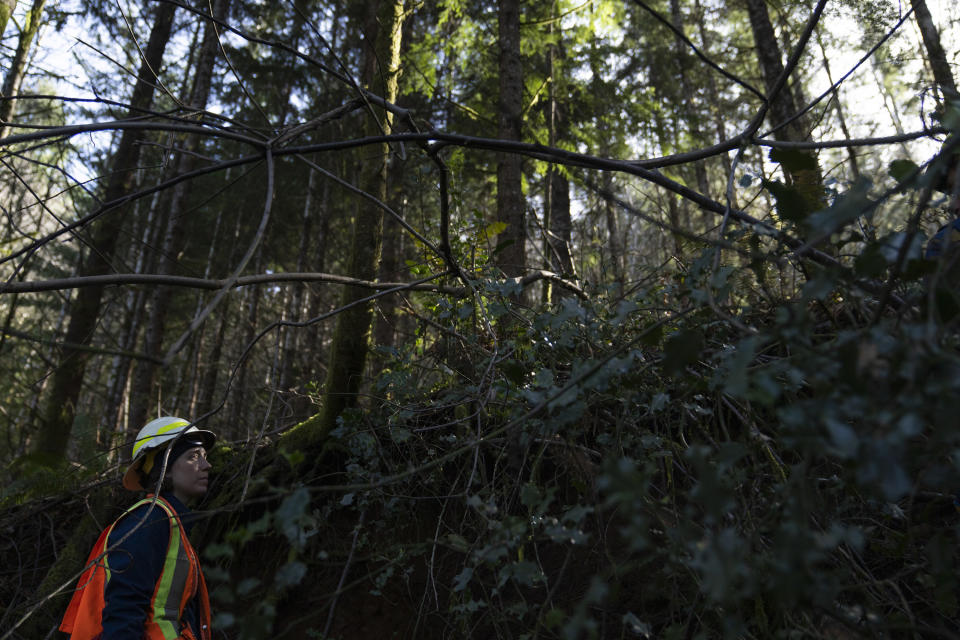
(180, 579)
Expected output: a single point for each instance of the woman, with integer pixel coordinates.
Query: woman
(143, 578)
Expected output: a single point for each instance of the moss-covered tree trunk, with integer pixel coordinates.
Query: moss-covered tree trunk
(18, 66)
(350, 344)
(805, 177)
(391, 266)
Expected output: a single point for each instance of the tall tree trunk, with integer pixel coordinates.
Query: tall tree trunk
(558, 224)
(18, 66)
(615, 240)
(202, 361)
(14, 298)
(615, 243)
(60, 410)
(551, 80)
(313, 347)
(561, 226)
(319, 260)
(208, 387)
(935, 54)
(351, 337)
(807, 181)
(116, 415)
(295, 305)
(510, 204)
(391, 263)
(161, 297)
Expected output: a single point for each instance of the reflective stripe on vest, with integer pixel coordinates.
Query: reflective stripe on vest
(177, 583)
(180, 579)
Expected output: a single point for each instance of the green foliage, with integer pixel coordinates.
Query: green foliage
(694, 458)
(708, 441)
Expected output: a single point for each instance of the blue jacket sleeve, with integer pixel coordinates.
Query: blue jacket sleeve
(135, 566)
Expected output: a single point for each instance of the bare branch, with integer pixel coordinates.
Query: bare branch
(117, 279)
(113, 204)
(254, 244)
(856, 142)
(121, 279)
(144, 125)
(836, 84)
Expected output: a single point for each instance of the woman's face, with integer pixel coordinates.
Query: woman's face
(189, 474)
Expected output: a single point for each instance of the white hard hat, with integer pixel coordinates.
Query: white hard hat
(156, 435)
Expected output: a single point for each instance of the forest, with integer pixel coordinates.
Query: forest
(555, 319)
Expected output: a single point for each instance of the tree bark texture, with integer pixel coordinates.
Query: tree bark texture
(351, 337)
(239, 392)
(558, 224)
(561, 226)
(58, 417)
(18, 66)
(510, 203)
(783, 106)
(615, 241)
(935, 53)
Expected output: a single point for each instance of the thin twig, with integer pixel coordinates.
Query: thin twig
(710, 63)
(257, 238)
(263, 427)
(836, 84)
